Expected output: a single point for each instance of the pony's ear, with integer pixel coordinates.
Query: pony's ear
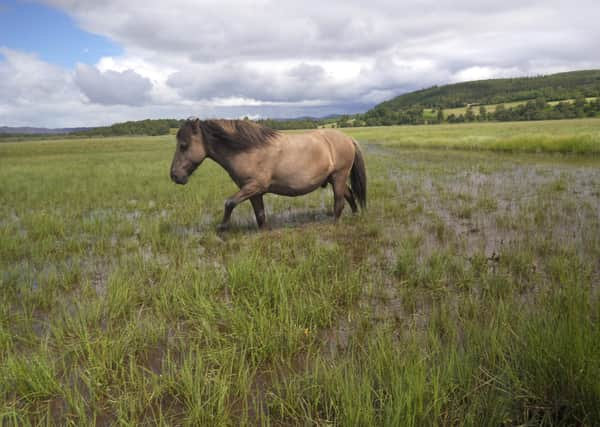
(196, 125)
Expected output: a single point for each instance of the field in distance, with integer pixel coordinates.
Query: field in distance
(554, 136)
(466, 295)
(490, 108)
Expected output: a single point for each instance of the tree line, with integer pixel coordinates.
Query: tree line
(140, 127)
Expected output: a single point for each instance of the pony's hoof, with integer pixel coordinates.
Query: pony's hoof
(222, 227)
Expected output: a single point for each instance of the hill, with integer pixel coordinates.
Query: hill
(552, 87)
(569, 95)
(25, 130)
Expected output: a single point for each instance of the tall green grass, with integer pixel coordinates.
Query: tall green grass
(466, 295)
(571, 137)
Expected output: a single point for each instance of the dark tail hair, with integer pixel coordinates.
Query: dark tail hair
(358, 177)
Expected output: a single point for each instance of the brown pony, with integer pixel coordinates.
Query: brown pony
(261, 160)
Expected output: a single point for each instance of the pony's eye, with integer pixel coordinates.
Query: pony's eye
(183, 147)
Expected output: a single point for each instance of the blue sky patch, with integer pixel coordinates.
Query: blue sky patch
(52, 34)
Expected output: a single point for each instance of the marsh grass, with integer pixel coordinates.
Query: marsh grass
(466, 295)
(572, 137)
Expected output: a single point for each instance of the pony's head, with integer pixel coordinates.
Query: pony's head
(189, 152)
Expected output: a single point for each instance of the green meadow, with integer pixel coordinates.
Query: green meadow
(467, 294)
(580, 136)
(431, 113)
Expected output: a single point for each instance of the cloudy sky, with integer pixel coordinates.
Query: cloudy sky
(96, 62)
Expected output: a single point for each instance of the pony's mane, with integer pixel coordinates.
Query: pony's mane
(237, 135)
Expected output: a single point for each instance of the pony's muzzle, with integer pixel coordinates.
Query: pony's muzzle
(178, 179)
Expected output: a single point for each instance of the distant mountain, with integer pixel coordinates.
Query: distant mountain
(300, 118)
(39, 131)
(551, 87)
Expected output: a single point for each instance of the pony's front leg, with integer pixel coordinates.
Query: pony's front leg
(259, 209)
(245, 192)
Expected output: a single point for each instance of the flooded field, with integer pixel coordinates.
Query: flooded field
(467, 294)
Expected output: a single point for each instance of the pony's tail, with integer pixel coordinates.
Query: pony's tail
(358, 177)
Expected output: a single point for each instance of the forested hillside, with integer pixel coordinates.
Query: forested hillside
(560, 96)
(553, 87)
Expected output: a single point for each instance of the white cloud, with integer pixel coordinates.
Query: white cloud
(484, 73)
(287, 58)
(26, 79)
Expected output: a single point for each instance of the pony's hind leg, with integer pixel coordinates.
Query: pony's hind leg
(349, 195)
(339, 193)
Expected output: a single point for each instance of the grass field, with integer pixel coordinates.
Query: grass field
(466, 295)
(567, 137)
(491, 108)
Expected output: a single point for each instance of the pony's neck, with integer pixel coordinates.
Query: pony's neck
(214, 149)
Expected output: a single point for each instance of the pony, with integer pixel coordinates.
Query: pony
(261, 160)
